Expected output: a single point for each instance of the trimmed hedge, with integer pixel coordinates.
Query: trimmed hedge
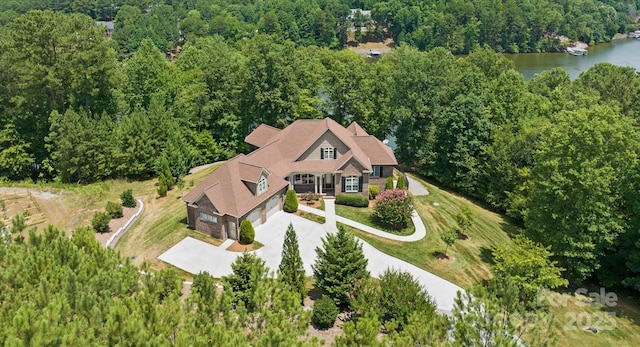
(290, 201)
(355, 200)
(325, 312)
(247, 233)
(400, 184)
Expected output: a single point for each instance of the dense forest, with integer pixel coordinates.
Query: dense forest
(507, 26)
(560, 156)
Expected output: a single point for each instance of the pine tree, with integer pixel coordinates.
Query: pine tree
(338, 264)
(291, 270)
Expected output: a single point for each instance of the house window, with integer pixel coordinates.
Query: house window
(208, 218)
(262, 185)
(329, 153)
(351, 184)
(303, 179)
(377, 171)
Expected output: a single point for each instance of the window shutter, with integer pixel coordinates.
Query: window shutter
(342, 186)
(360, 184)
(335, 153)
(321, 153)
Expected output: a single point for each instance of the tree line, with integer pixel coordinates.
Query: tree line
(506, 26)
(560, 156)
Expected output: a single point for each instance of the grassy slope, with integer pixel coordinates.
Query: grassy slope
(162, 225)
(472, 256)
(571, 319)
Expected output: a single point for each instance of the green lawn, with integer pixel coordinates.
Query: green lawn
(364, 215)
(472, 257)
(162, 225)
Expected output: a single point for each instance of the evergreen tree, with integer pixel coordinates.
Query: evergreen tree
(338, 264)
(248, 271)
(291, 270)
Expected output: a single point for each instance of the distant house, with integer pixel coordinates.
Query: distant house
(108, 27)
(318, 156)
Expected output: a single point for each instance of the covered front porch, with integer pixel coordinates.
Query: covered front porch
(318, 183)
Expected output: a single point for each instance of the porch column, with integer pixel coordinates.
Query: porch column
(321, 182)
(290, 181)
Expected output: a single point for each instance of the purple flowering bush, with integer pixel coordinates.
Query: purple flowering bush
(393, 208)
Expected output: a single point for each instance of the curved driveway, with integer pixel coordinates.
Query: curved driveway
(195, 256)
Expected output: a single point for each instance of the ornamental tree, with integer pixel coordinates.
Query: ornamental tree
(449, 237)
(127, 198)
(291, 269)
(338, 264)
(393, 208)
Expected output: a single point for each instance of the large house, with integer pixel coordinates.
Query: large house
(318, 156)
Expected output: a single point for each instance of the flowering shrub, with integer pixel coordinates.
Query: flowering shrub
(393, 208)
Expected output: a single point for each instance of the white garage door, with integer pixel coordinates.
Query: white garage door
(273, 206)
(255, 218)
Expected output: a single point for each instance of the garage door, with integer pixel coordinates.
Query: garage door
(255, 218)
(273, 206)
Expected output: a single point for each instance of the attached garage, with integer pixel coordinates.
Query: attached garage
(273, 206)
(255, 217)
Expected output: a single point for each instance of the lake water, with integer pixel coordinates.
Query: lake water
(624, 52)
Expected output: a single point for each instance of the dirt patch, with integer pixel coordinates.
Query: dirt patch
(311, 203)
(116, 224)
(238, 247)
(328, 335)
(445, 258)
(462, 236)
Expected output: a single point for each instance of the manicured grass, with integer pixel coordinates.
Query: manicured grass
(162, 225)
(364, 215)
(472, 262)
(312, 217)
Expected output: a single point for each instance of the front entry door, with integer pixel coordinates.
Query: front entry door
(327, 181)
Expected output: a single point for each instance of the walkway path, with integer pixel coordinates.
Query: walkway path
(195, 256)
(416, 188)
(329, 214)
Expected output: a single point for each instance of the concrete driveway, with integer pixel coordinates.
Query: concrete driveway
(195, 256)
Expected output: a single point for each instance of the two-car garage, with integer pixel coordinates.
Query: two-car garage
(271, 207)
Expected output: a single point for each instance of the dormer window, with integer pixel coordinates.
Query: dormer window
(262, 185)
(328, 153)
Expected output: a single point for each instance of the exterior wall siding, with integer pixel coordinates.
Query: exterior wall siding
(328, 139)
(385, 172)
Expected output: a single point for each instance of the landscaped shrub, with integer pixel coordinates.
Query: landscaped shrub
(388, 184)
(401, 296)
(114, 209)
(247, 233)
(373, 192)
(290, 201)
(127, 198)
(393, 208)
(100, 222)
(324, 313)
(309, 196)
(400, 183)
(355, 200)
